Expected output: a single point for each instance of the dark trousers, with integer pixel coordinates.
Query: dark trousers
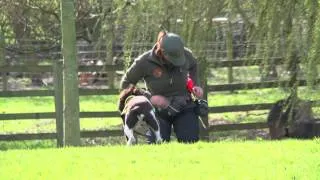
(185, 126)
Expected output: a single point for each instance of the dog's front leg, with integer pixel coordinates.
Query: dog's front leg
(129, 133)
(131, 120)
(155, 126)
(158, 137)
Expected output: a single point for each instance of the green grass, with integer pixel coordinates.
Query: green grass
(246, 74)
(29, 144)
(48, 125)
(46, 104)
(288, 159)
(109, 103)
(257, 96)
(270, 95)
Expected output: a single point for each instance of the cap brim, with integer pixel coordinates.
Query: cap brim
(177, 61)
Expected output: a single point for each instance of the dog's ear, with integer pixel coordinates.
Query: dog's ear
(121, 105)
(124, 94)
(123, 118)
(142, 92)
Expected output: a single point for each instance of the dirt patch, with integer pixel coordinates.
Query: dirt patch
(213, 122)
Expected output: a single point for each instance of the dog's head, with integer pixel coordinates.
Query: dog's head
(130, 91)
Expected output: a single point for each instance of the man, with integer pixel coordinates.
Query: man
(165, 69)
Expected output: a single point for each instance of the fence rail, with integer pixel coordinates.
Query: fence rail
(108, 67)
(211, 88)
(116, 133)
(49, 68)
(41, 136)
(108, 114)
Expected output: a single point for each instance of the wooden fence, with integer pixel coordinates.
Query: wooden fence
(57, 71)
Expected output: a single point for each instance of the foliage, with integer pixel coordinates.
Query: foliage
(280, 28)
(35, 18)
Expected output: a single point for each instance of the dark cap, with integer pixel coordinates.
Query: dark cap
(173, 49)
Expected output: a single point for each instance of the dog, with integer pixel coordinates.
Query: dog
(135, 106)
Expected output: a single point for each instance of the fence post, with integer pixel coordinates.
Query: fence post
(3, 61)
(58, 99)
(111, 75)
(203, 72)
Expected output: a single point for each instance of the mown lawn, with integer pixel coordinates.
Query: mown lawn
(46, 104)
(286, 159)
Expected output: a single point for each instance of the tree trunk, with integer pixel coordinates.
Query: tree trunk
(70, 80)
(3, 61)
(229, 48)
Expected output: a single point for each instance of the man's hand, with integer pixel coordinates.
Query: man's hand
(197, 91)
(159, 101)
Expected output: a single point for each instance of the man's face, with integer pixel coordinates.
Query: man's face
(164, 55)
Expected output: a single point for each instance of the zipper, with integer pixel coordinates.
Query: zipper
(172, 73)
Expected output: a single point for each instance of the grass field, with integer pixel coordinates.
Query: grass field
(286, 159)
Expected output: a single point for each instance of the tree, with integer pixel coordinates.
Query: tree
(71, 91)
(289, 29)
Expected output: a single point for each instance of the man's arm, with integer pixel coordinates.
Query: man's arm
(193, 74)
(193, 67)
(134, 73)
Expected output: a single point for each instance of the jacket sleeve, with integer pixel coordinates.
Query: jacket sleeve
(133, 74)
(193, 68)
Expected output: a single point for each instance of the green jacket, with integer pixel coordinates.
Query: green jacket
(161, 78)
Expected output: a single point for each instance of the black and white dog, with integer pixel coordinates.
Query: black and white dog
(134, 106)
